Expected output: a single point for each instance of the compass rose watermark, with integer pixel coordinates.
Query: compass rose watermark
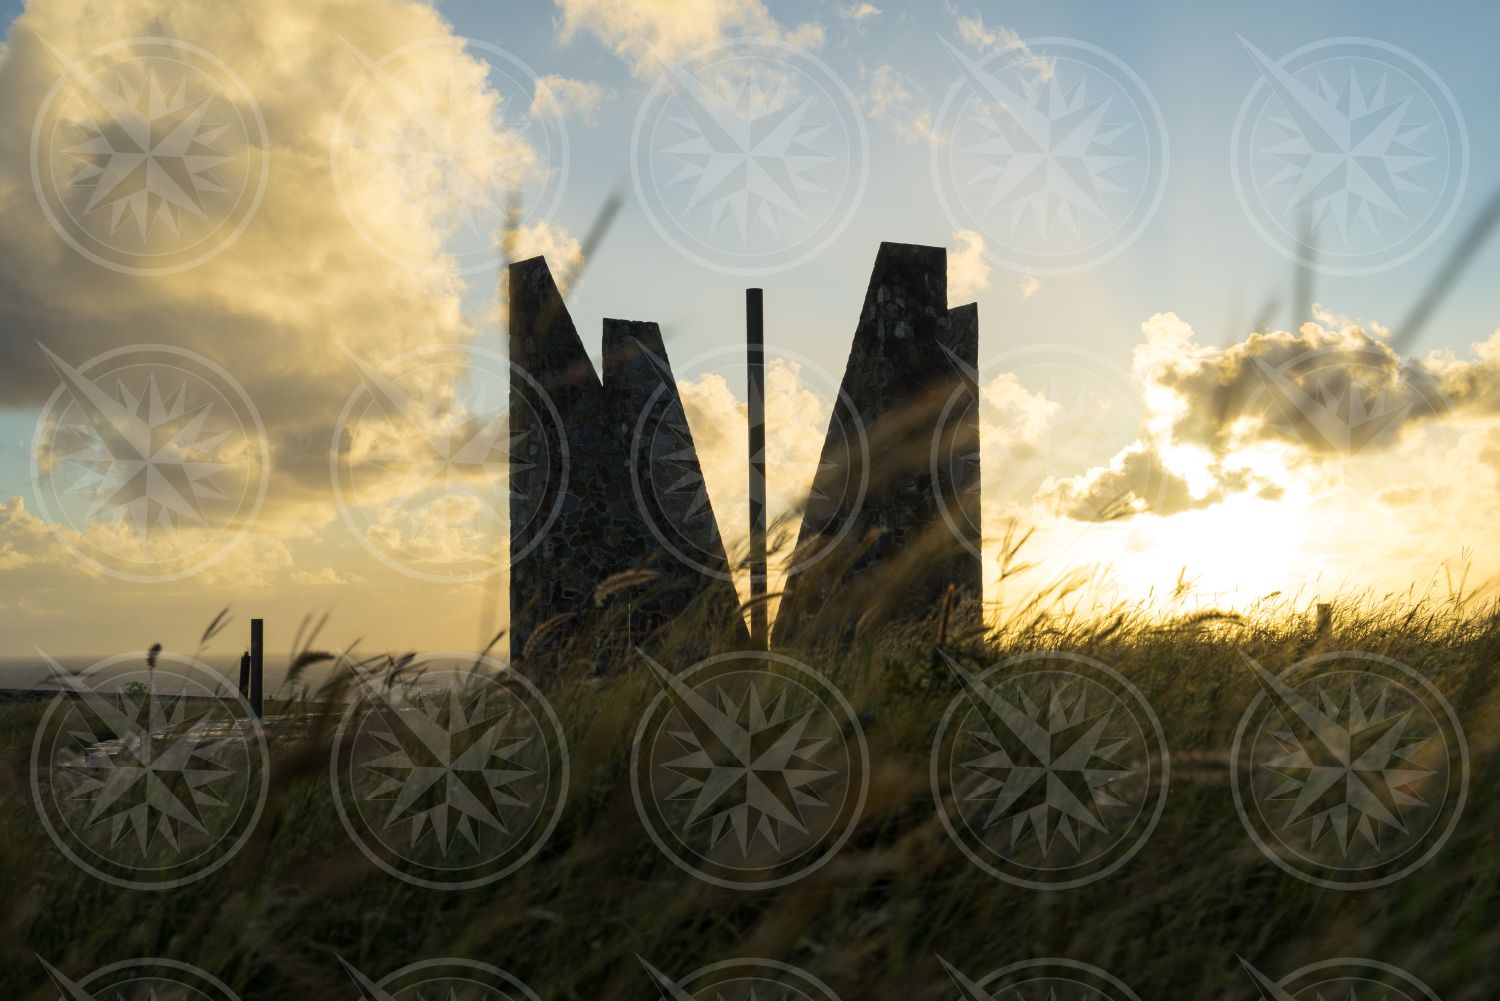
(1351, 403)
(749, 770)
(1049, 770)
(750, 156)
(1350, 769)
(1345, 979)
(441, 980)
(450, 773)
(148, 775)
(446, 133)
(1054, 150)
(671, 493)
(1350, 155)
(1042, 979)
(432, 447)
(149, 462)
(148, 156)
(740, 980)
(148, 979)
(1045, 415)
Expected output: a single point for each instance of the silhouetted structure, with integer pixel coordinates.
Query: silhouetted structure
(755, 410)
(874, 529)
(887, 527)
(578, 517)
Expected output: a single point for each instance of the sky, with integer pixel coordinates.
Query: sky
(1195, 233)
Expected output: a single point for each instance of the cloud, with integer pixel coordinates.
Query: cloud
(968, 271)
(301, 282)
(796, 422)
(1277, 406)
(642, 32)
(561, 249)
(1329, 389)
(297, 282)
(973, 32)
(301, 279)
(858, 12)
(1318, 462)
(24, 538)
(888, 99)
(1029, 286)
(579, 99)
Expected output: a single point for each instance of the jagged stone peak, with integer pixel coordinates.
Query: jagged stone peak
(633, 348)
(960, 342)
(543, 339)
(914, 258)
(908, 283)
(895, 247)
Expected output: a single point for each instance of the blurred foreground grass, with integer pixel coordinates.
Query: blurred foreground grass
(275, 921)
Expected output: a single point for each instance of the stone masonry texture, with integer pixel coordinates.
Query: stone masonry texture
(578, 515)
(874, 533)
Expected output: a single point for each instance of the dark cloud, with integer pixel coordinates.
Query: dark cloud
(1328, 391)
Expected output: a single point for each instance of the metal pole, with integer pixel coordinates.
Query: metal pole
(257, 664)
(755, 336)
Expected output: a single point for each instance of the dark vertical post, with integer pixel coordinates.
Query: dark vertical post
(245, 675)
(755, 337)
(257, 664)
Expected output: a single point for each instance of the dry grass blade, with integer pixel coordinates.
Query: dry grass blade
(625, 580)
(215, 627)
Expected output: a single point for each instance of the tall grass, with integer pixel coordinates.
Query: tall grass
(276, 920)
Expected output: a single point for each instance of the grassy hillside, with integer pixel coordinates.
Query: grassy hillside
(873, 923)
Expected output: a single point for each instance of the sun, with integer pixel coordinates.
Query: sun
(1231, 554)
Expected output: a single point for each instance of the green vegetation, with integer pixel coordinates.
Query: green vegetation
(872, 924)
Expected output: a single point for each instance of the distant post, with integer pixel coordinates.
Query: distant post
(755, 337)
(245, 675)
(257, 664)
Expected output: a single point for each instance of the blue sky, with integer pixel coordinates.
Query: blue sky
(1198, 256)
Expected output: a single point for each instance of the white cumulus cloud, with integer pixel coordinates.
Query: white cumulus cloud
(968, 271)
(643, 32)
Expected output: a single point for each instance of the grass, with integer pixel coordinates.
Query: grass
(872, 924)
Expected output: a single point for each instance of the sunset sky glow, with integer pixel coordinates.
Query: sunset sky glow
(1197, 237)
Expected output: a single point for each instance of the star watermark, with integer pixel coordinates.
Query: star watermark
(1041, 980)
(750, 156)
(1049, 770)
(149, 462)
(1054, 150)
(147, 979)
(446, 979)
(1350, 155)
(451, 772)
(671, 491)
(746, 979)
(446, 136)
(149, 156)
(1351, 769)
(1344, 979)
(149, 771)
(749, 770)
(1356, 405)
(1045, 415)
(433, 456)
